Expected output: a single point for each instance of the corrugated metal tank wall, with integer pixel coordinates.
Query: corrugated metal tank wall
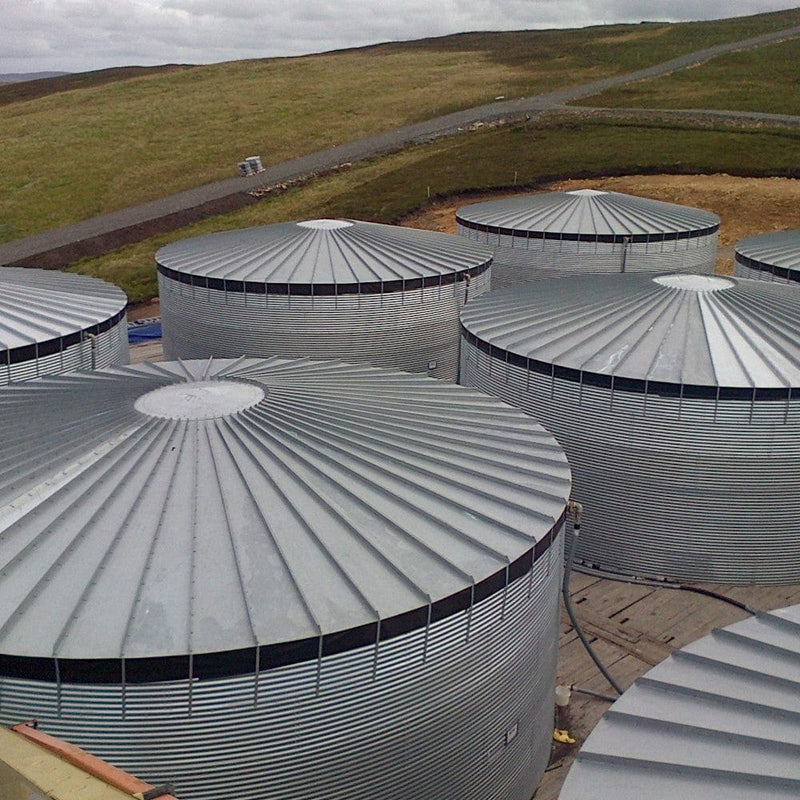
(407, 330)
(741, 269)
(672, 487)
(104, 349)
(769, 257)
(525, 258)
(396, 721)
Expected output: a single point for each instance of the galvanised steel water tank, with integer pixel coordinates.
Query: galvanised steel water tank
(555, 234)
(719, 719)
(358, 291)
(283, 579)
(769, 257)
(677, 400)
(58, 322)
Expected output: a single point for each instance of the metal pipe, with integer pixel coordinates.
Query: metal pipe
(626, 243)
(575, 510)
(93, 350)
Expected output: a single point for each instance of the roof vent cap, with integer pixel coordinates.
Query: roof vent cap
(325, 224)
(695, 283)
(199, 400)
(587, 192)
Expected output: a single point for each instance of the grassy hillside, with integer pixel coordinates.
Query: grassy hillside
(42, 87)
(387, 188)
(763, 80)
(101, 146)
(608, 49)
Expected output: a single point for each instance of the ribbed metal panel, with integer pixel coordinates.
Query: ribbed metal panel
(719, 719)
(97, 351)
(590, 214)
(769, 257)
(282, 578)
(557, 234)
(461, 710)
(359, 291)
(517, 258)
(693, 480)
(324, 253)
(414, 330)
(52, 322)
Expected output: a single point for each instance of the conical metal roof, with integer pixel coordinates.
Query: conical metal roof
(324, 252)
(719, 719)
(588, 214)
(683, 330)
(38, 305)
(778, 253)
(217, 506)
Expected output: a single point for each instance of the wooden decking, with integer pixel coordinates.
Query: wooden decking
(147, 351)
(632, 628)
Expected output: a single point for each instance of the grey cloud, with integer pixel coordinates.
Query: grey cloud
(80, 35)
(228, 10)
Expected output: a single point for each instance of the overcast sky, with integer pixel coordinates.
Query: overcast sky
(79, 35)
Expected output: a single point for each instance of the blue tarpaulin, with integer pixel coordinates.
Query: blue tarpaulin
(144, 333)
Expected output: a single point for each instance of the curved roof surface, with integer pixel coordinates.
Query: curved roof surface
(324, 252)
(690, 330)
(588, 213)
(719, 719)
(209, 506)
(38, 305)
(779, 250)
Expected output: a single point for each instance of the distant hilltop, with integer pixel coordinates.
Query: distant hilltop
(19, 77)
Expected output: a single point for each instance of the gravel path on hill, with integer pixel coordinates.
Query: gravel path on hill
(61, 246)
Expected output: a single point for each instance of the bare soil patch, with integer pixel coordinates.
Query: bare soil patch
(745, 206)
(148, 310)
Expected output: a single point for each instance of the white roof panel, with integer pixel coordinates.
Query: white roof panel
(589, 214)
(200, 507)
(719, 719)
(682, 329)
(777, 252)
(38, 305)
(323, 252)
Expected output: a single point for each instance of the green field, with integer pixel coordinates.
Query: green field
(761, 80)
(94, 145)
(387, 188)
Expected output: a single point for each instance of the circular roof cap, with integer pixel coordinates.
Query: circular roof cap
(694, 283)
(324, 251)
(199, 399)
(205, 507)
(685, 330)
(589, 214)
(325, 224)
(38, 305)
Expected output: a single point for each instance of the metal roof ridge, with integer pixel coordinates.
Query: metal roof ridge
(674, 767)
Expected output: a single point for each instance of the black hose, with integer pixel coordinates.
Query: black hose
(686, 587)
(669, 584)
(600, 695)
(571, 612)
